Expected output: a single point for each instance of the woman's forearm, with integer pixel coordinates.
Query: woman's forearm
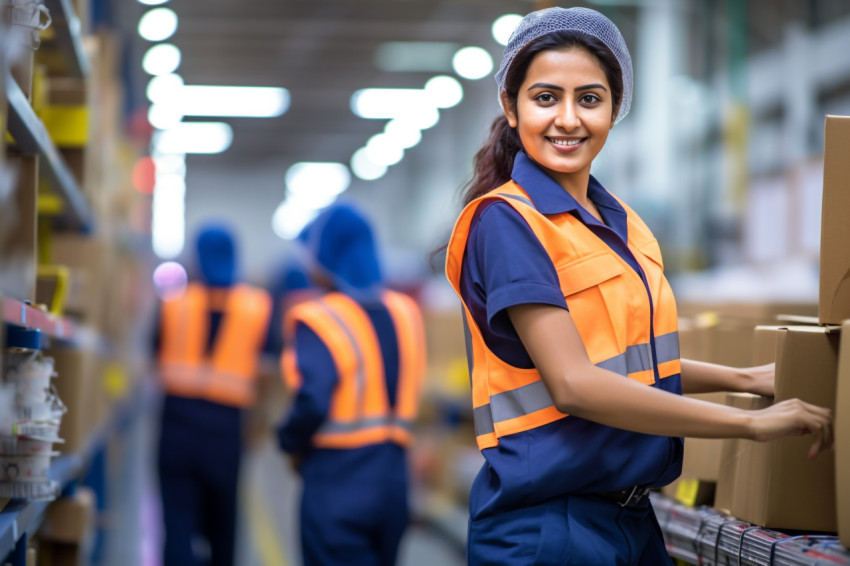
(582, 389)
(703, 377)
(611, 399)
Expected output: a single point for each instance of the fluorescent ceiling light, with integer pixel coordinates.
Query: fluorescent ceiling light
(168, 232)
(364, 167)
(444, 91)
(423, 119)
(162, 88)
(415, 56)
(504, 26)
(383, 151)
(158, 24)
(194, 137)
(161, 59)
(383, 103)
(472, 63)
(163, 117)
(153, 2)
(242, 101)
(289, 219)
(403, 134)
(319, 179)
(170, 164)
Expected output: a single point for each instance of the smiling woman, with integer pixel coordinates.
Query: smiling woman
(572, 333)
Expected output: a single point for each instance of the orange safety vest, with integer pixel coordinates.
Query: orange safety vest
(607, 301)
(360, 412)
(226, 375)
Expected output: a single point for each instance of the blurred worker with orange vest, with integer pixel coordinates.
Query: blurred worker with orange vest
(355, 358)
(211, 335)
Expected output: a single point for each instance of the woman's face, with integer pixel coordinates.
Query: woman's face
(563, 113)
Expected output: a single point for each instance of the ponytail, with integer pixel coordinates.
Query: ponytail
(493, 163)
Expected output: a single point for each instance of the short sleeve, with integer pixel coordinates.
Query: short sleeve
(505, 265)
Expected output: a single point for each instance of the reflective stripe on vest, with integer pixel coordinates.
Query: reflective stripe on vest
(608, 303)
(227, 374)
(360, 412)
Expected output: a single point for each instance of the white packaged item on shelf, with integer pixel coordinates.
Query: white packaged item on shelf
(50, 409)
(29, 371)
(40, 490)
(46, 431)
(26, 446)
(26, 18)
(24, 468)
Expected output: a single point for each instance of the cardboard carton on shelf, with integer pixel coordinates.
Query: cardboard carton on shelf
(774, 484)
(842, 437)
(749, 312)
(69, 519)
(834, 292)
(90, 263)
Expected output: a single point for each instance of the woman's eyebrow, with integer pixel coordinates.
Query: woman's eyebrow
(545, 85)
(556, 87)
(592, 86)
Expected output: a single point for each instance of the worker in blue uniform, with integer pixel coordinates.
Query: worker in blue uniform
(354, 360)
(210, 337)
(571, 324)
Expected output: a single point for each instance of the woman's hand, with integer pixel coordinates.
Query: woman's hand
(794, 417)
(758, 380)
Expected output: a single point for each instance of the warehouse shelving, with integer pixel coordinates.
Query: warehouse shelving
(22, 314)
(20, 519)
(32, 139)
(62, 53)
(67, 38)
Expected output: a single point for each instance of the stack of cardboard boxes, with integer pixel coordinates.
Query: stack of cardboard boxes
(774, 484)
(721, 333)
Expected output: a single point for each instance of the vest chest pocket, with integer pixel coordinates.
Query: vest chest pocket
(598, 297)
(587, 272)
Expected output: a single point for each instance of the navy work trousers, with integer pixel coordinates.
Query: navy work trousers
(569, 531)
(199, 456)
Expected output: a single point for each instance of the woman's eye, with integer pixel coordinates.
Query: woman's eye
(589, 99)
(545, 97)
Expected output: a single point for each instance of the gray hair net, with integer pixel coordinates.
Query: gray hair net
(584, 20)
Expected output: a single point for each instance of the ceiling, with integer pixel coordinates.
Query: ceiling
(322, 51)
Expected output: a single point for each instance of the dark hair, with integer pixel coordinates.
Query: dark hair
(493, 163)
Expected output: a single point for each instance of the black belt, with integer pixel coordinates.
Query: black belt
(625, 497)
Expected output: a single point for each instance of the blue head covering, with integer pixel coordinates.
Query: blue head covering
(341, 243)
(217, 255)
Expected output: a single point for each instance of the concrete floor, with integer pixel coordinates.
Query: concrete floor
(267, 533)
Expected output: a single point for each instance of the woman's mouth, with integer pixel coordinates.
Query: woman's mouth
(567, 144)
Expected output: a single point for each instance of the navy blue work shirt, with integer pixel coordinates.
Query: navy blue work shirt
(504, 265)
(510, 266)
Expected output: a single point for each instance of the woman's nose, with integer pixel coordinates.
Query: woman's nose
(567, 116)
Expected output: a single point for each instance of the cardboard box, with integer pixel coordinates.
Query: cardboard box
(842, 437)
(69, 519)
(447, 373)
(764, 344)
(834, 293)
(90, 260)
(775, 484)
(734, 452)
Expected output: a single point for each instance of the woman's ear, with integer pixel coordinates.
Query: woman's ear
(508, 108)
